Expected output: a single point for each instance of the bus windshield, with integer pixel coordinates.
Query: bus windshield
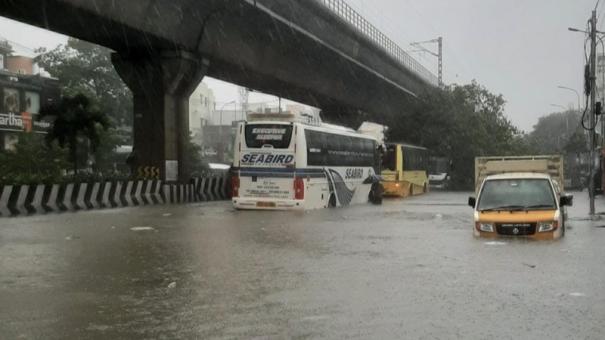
(389, 159)
(522, 194)
(276, 135)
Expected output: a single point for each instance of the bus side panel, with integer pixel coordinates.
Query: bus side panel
(317, 193)
(418, 179)
(348, 184)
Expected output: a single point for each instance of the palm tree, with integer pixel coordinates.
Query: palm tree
(74, 118)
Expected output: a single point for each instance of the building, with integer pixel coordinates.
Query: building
(201, 110)
(217, 143)
(24, 89)
(226, 117)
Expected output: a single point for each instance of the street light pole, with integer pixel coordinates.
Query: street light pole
(566, 123)
(576, 92)
(592, 78)
(221, 111)
(559, 106)
(567, 134)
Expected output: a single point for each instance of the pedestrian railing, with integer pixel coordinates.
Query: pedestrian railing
(347, 13)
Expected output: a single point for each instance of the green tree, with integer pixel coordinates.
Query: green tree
(82, 67)
(32, 162)
(577, 143)
(106, 159)
(554, 132)
(460, 122)
(195, 162)
(75, 120)
(85, 68)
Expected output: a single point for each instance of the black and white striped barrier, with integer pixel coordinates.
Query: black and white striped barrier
(211, 188)
(18, 200)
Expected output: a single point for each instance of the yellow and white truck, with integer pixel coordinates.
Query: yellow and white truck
(520, 196)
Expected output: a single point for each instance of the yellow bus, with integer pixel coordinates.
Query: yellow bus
(404, 170)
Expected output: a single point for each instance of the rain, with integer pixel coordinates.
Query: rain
(315, 169)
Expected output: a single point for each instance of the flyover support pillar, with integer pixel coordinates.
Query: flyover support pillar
(161, 85)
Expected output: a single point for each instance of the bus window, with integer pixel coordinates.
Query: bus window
(277, 135)
(414, 159)
(326, 149)
(317, 152)
(389, 160)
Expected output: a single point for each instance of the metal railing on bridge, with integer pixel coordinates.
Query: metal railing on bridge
(346, 12)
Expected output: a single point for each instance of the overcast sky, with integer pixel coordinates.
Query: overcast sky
(518, 48)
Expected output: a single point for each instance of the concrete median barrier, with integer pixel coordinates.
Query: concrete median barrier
(21, 200)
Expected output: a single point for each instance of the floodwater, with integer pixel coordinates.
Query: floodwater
(406, 269)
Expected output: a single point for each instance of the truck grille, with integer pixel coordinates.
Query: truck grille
(516, 229)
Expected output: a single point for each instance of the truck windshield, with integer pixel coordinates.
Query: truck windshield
(517, 194)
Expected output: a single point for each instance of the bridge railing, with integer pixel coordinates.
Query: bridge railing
(349, 14)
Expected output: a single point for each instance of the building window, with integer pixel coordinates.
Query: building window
(32, 102)
(1, 61)
(11, 101)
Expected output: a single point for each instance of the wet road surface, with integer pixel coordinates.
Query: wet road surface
(406, 269)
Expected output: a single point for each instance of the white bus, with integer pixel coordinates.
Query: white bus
(281, 162)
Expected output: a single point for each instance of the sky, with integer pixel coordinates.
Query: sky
(518, 48)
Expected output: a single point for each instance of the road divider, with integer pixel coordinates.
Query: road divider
(20, 200)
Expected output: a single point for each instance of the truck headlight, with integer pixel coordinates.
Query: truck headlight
(547, 226)
(487, 227)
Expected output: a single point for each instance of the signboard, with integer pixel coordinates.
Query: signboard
(267, 159)
(172, 170)
(12, 119)
(11, 100)
(269, 188)
(23, 122)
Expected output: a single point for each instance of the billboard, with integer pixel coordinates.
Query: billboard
(12, 119)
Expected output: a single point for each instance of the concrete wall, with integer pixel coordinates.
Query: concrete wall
(202, 105)
(20, 64)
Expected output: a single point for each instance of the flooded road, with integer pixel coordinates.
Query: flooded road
(406, 269)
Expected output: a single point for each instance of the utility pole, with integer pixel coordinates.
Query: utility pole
(243, 99)
(439, 54)
(593, 100)
(440, 60)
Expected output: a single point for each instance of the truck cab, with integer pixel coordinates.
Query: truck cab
(513, 203)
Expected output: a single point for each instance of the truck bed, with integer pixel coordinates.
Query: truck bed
(547, 164)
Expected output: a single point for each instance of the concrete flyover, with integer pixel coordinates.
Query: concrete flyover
(318, 52)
